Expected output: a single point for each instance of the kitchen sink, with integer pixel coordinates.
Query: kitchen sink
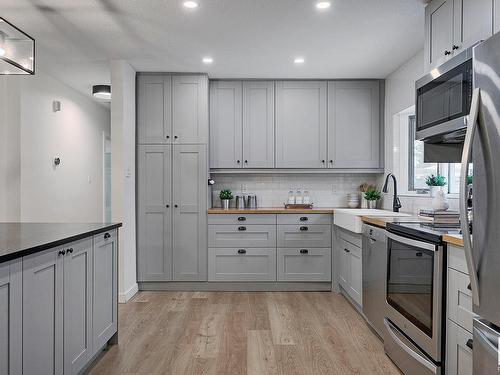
(350, 218)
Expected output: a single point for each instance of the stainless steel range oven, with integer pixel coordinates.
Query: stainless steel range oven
(413, 336)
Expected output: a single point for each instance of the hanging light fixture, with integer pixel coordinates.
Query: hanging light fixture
(17, 50)
(102, 92)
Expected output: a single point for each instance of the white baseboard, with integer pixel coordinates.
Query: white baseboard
(125, 297)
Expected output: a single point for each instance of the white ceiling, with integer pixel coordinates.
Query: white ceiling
(246, 38)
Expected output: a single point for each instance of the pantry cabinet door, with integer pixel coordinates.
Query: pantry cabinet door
(438, 33)
(473, 22)
(258, 124)
(226, 124)
(353, 124)
(301, 124)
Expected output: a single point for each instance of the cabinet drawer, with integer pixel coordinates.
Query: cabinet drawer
(456, 259)
(242, 236)
(241, 264)
(109, 236)
(304, 236)
(241, 219)
(304, 264)
(459, 299)
(458, 354)
(350, 248)
(305, 219)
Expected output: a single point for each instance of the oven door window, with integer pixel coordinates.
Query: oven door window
(445, 98)
(410, 283)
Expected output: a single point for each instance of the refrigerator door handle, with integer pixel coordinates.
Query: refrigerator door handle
(482, 337)
(473, 123)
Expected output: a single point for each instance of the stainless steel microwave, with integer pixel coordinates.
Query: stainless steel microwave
(443, 99)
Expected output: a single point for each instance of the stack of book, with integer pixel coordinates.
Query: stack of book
(441, 218)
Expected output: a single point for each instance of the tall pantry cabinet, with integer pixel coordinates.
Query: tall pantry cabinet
(172, 170)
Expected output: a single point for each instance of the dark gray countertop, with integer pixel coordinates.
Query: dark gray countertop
(20, 239)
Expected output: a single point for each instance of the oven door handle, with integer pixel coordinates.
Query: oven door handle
(417, 357)
(412, 242)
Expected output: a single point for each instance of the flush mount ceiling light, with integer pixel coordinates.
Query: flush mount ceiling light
(17, 50)
(299, 60)
(207, 60)
(101, 92)
(190, 4)
(322, 5)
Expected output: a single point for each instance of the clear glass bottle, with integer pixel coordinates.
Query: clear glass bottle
(291, 196)
(298, 197)
(306, 198)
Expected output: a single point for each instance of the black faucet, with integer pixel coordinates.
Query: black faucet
(396, 203)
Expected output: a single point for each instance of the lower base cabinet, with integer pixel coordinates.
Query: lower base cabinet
(459, 351)
(236, 264)
(350, 270)
(299, 264)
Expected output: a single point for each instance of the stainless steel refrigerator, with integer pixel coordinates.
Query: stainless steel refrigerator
(482, 148)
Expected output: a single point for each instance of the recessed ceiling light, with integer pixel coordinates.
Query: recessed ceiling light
(190, 4)
(323, 5)
(298, 60)
(207, 60)
(2, 51)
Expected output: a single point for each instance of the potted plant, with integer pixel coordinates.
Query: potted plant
(225, 196)
(372, 196)
(435, 184)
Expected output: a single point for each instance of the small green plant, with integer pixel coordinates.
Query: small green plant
(435, 180)
(226, 194)
(372, 195)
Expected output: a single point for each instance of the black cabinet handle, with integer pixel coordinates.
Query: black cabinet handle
(304, 251)
(331, 161)
(419, 254)
(246, 161)
(176, 206)
(242, 228)
(470, 343)
(242, 218)
(175, 137)
(304, 229)
(237, 161)
(70, 250)
(304, 218)
(446, 53)
(106, 236)
(62, 252)
(347, 250)
(469, 287)
(167, 137)
(168, 206)
(323, 161)
(455, 47)
(242, 251)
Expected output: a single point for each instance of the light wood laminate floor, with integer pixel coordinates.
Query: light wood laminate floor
(243, 333)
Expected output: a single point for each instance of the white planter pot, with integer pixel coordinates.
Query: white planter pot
(372, 204)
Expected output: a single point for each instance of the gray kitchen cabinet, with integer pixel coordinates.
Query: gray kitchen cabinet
(301, 124)
(104, 289)
(438, 33)
(304, 264)
(11, 308)
(350, 270)
(458, 353)
(154, 213)
(473, 22)
(353, 124)
(258, 124)
(190, 174)
(304, 236)
(226, 131)
(242, 235)
(154, 108)
(190, 108)
(241, 264)
(43, 286)
(496, 16)
(78, 305)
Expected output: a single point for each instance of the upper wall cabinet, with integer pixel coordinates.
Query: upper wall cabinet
(496, 19)
(454, 25)
(242, 124)
(172, 108)
(354, 124)
(301, 124)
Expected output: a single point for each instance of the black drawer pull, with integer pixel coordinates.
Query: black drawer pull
(62, 252)
(304, 228)
(242, 218)
(469, 287)
(347, 250)
(242, 251)
(242, 228)
(106, 236)
(419, 254)
(304, 251)
(70, 250)
(470, 343)
(304, 218)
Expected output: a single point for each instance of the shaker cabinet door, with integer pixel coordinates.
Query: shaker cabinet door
(154, 108)
(438, 33)
(258, 124)
(190, 173)
(473, 22)
(353, 124)
(301, 124)
(43, 313)
(11, 324)
(154, 213)
(226, 124)
(190, 108)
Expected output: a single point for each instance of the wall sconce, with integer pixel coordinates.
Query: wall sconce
(17, 50)
(101, 92)
(56, 106)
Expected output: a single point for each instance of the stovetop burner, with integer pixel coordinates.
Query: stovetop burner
(429, 232)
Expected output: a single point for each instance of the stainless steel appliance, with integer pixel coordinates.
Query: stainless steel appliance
(415, 283)
(482, 252)
(374, 271)
(443, 99)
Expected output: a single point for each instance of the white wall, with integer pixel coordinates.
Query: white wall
(123, 172)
